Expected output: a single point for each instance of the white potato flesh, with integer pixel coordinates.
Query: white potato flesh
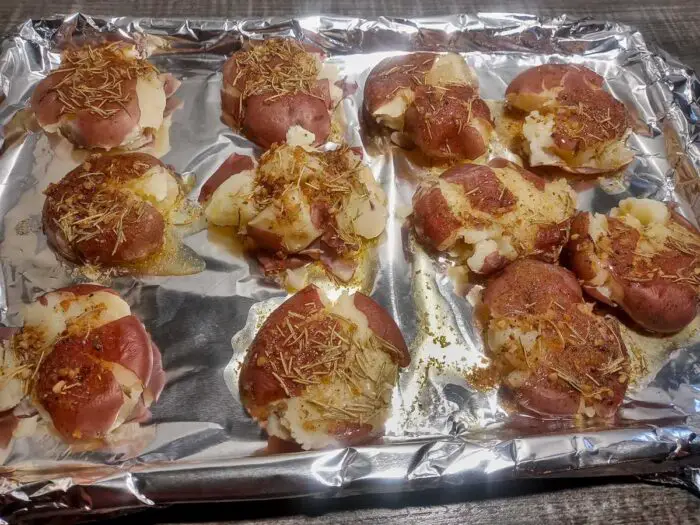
(345, 307)
(391, 114)
(303, 421)
(151, 99)
(131, 387)
(299, 136)
(366, 215)
(646, 211)
(232, 204)
(64, 308)
(537, 131)
(158, 185)
(331, 73)
(290, 219)
(451, 68)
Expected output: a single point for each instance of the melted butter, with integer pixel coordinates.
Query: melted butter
(226, 237)
(174, 258)
(649, 353)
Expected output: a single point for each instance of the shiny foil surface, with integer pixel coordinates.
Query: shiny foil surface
(200, 445)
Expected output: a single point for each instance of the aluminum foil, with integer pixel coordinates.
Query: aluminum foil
(199, 444)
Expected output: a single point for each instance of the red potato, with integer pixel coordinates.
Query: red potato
(642, 258)
(111, 210)
(233, 165)
(298, 206)
(297, 387)
(433, 101)
(499, 211)
(104, 97)
(554, 355)
(95, 366)
(277, 85)
(570, 121)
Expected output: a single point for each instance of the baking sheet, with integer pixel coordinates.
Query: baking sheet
(200, 445)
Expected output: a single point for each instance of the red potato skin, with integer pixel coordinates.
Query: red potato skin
(8, 424)
(439, 122)
(126, 342)
(434, 223)
(659, 305)
(433, 220)
(143, 236)
(265, 239)
(152, 389)
(80, 413)
(675, 305)
(585, 114)
(266, 121)
(532, 82)
(352, 433)
(530, 286)
(507, 294)
(493, 262)
(233, 165)
(85, 130)
(383, 326)
(258, 387)
(394, 72)
(266, 118)
(156, 382)
(483, 188)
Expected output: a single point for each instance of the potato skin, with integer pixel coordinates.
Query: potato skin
(258, 387)
(143, 228)
(509, 292)
(658, 304)
(447, 122)
(440, 122)
(392, 73)
(573, 344)
(86, 130)
(381, 323)
(433, 221)
(267, 120)
(528, 90)
(86, 414)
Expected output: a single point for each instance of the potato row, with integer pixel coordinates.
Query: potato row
(321, 373)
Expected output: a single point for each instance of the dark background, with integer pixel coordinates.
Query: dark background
(673, 25)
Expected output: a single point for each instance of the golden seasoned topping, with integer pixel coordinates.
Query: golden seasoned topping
(276, 67)
(93, 78)
(322, 348)
(584, 117)
(91, 203)
(326, 179)
(344, 370)
(549, 349)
